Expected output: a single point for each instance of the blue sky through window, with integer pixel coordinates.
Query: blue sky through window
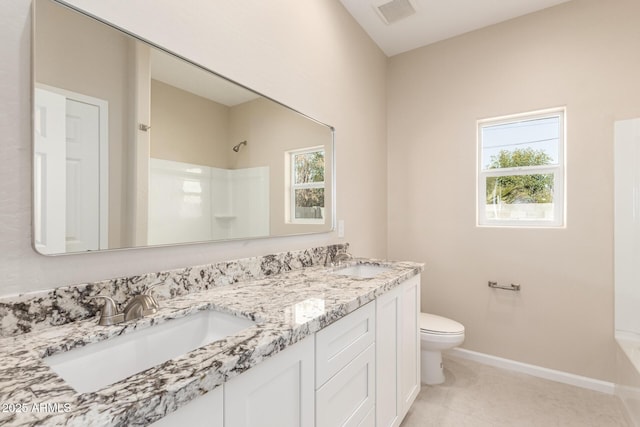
(538, 134)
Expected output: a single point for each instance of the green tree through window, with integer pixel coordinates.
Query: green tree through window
(309, 180)
(536, 188)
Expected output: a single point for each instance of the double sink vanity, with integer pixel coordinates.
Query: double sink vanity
(319, 345)
(303, 338)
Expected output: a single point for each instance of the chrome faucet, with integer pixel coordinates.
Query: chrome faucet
(337, 259)
(342, 256)
(139, 306)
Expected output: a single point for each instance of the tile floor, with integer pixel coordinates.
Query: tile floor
(478, 395)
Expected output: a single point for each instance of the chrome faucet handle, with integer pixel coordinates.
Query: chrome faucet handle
(149, 304)
(141, 305)
(109, 313)
(134, 309)
(152, 301)
(150, 288)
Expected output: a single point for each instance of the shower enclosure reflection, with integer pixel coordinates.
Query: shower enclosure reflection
(134, 146)
(206, 203)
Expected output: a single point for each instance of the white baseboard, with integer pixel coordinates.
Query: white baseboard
(536, 371)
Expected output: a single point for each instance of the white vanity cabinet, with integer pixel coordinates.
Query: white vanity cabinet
(345, 371)
(277, 392)
(397, 352)
(361, 371)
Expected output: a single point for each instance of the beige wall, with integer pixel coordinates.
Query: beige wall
(97, 69)
(584, 55)
(309, 55)
(188, 128)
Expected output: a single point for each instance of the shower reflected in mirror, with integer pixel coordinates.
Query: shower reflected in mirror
(236, 148)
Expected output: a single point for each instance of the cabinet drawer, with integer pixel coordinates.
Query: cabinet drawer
(348, 398)
(341, 342)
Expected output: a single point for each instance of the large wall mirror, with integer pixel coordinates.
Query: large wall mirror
(134, 146)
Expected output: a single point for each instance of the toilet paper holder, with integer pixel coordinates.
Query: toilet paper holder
(511, 287)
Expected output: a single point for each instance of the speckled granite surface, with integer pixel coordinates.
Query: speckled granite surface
(39, 310)
(279, 303)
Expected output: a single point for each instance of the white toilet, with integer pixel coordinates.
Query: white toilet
(437, 333)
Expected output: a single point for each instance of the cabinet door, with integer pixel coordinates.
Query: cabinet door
(349, 396)
(388, 403)
(203, 411)
(277, 392)
(397, 352)
(410, 339)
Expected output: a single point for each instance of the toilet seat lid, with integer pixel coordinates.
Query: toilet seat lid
(439, 325)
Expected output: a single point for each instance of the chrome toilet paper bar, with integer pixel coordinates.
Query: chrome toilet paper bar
(511, 287)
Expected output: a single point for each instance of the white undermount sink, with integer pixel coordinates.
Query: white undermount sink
(362, 270)
(94, 366)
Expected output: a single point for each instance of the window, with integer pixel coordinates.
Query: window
(306, 197)
(521, 170)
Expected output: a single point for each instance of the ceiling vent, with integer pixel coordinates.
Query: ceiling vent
(395, 10)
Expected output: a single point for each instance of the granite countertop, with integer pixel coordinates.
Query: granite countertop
(286, 307)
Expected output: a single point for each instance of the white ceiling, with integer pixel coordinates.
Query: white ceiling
(437, 20)
(183, 75)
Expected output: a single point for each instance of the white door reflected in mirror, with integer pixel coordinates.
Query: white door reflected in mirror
(70, 140)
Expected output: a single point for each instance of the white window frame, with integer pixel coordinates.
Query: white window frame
(293, 186)
(558, 171)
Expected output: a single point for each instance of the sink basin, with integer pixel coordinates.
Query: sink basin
(97, 365)
(362, 270)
